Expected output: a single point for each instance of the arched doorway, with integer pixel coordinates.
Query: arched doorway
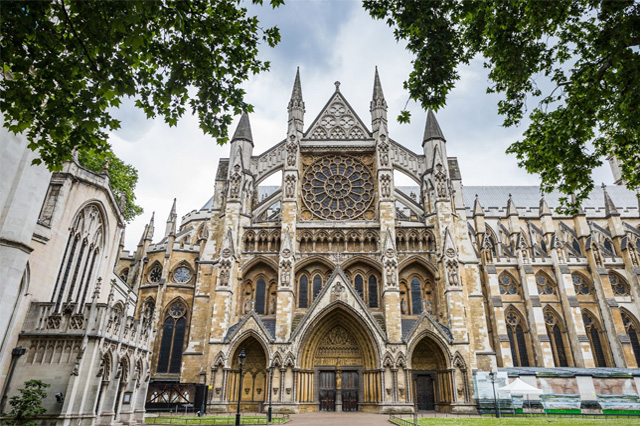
(254, 375)
(338, 364)
(432, 378)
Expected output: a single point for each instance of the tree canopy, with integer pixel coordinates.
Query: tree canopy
(66, 63)
(585, 51)
(27, 406)
(123, 178)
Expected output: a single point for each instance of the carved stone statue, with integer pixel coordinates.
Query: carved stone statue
(403, 306)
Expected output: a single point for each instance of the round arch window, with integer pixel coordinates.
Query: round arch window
(337, 187)
(155, 274)
(182, 275)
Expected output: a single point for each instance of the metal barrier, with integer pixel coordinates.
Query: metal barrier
(225, 418)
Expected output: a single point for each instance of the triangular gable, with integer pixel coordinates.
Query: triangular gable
(427, 322)
(337, 121)
(338, 290)
(250, 322)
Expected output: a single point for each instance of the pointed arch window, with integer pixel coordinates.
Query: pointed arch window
(517, 339)
(545, 284)
(303, 291)
(172, 342)
(555, 334)
(76, 273)
(633, 332)
(594, 332)
(581, 284)
(373, 291)
(618, 284)
(358, 283)
(416, 296)
(317, 285)
(508, 284)
(261, 292)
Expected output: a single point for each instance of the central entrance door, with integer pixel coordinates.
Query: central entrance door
(424, 393)
(349, 391)
(327, 390)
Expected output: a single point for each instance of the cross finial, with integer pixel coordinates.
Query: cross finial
(337, 83)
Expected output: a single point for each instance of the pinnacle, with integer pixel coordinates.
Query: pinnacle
(296, 93)
(432, 128)
(243, 131)
(511, 207)
(477, 208)
(377, 87)
(609, 208)
(544, 210)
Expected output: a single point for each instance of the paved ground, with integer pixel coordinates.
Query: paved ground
(339, 419)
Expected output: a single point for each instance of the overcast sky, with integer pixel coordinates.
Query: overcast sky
(330, 41)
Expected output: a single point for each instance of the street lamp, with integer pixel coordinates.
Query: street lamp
(493, 376)
(270, 392)
(241, 358)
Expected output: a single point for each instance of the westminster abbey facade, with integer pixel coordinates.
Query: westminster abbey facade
(349, 292)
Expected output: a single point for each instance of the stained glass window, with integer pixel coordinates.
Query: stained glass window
(337, 187)
(593, 332)
(618, 285)
(373, 292)
(172, 342)
(182, 275)
(633, 334)
(580, 284)
(517, 339)
(545, 284)
(303, 291)
(508, 284)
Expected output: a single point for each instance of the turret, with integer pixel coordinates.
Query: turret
(612, 215)
(296, 106)
(171, 221)
(378, 106)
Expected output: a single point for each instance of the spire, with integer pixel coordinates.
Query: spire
(543, 210)
(377, 87)
(580, 211)
(378, 106)
(432, 128)
(150, 228)
(143, 236)
(477, 208)
(243, 131)
(296, 93)
(609, 208)
(171, 221)
(511, 207)
(296, 105)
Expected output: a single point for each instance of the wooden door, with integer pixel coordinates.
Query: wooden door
(425, 393)
(327, 390)
(349, 391)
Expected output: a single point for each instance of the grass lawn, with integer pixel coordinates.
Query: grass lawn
(525, 421)
(213, 420)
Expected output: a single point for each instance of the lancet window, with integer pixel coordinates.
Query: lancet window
(517, 338)
(303, 291)
(633, 332)
(596, 337)
(261, 296)
(81, 258)
(556, 337)
(172, 342)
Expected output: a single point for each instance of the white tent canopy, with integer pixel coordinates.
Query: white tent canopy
(519, 387)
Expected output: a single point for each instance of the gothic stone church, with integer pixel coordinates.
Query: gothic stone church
(347, 292)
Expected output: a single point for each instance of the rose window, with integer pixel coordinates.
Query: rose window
(182, 274)
(337, 187)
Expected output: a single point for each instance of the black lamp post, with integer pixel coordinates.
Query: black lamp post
(493, 376)
(241, 358)
(203, 374)
(270, 392)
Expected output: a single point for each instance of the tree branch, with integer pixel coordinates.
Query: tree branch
(75, 34)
